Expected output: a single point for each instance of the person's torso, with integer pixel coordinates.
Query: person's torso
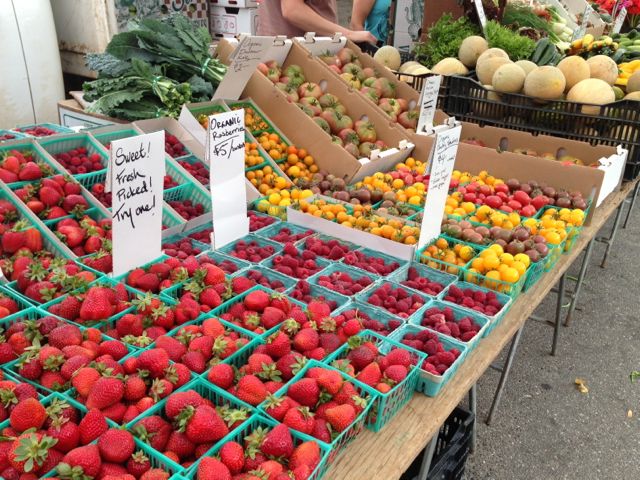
(271, 22)
(378, 20)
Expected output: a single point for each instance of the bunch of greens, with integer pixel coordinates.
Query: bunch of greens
(444, 39)
(521, 16)
(140, 92)
(152, 69)
(517, 46)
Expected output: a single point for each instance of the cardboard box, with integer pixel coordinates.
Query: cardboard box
(71, 114)
(232, 21)
(611, 160)
(321, 45)
(505, 165)
(233, 3)
(358, 237)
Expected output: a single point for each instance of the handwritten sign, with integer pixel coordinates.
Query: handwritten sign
(225, 149)
(481, 15)
(617, 24)
(428, 103)
(582, 28)
(137, 177)
(245, 59)
(443, 158)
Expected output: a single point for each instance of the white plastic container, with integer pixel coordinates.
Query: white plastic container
(31, 82)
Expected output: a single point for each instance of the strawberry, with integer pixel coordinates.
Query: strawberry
(67, 435)
(84, 380)
(360, 357)
(278, 442)
(177, 402)
(331, 381)
(92, 426)
(232, 455)
(27, 414)
(82, 459)
(370, 375)
(211, 468)
(155, 474)
(257, 300)
(306, 339)
(300, 419)
(251, 390)
(305, 391)
(307, 453)
(138, 464)
(203, 424)
(105, 392)
(116, 445)
(399, 356)
(155, 361)
(97, 304)
(221, 375)
(341, 417)
(154, 430)
(395, 374)
(29, 452)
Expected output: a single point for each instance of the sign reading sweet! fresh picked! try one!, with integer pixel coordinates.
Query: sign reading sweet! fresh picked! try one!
(137, 172)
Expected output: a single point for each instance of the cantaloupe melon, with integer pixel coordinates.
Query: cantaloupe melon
(419, 70)
(594, 91)
(486, 68)
(450, 66)
(633, 84)
(470, 49)
(492, 53)
(604, 68)
(574, 69)
(527, 66)
(388, 56)
(404, 68)
(545, 82)
(633, 96)
(508, 78)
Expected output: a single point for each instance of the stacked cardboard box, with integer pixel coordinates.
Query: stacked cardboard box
(228, 18)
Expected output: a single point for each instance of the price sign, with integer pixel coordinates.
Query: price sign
(617, 24)
(582, 28)
(137, 181)
(443, 158)
(225, 150)
(428, 102)
(250, 52)
(481, 15)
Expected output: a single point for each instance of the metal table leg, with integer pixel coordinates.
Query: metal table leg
(609, 241)
(505, 374)
(473, 403)
(559, 301)
(634, 197)
(576, 292)
(428, 456)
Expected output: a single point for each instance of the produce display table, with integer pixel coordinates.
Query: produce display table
(389, 453)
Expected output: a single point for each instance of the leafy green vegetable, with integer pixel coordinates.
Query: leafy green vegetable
(153, 69)
(118, 96)
(444, 39)
(518, 15)
(516, 46)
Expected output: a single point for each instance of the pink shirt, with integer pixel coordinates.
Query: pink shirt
(271, 21)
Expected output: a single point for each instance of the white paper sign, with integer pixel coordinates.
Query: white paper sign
(582, 28)
(481, 15)
(622, 15)
(225, 149)
(250, 52)
(443, 158)
(137, 180)
(428, 103)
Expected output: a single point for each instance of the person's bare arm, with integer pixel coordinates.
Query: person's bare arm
(298, 13)
(360, 12)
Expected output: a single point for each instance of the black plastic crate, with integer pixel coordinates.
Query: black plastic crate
(452, 449)
(614, 124)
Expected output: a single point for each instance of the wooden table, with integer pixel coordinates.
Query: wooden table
(386, 455)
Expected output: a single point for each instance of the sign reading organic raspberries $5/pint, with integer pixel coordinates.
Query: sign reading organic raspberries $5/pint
(225, 151)
(136, 170)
